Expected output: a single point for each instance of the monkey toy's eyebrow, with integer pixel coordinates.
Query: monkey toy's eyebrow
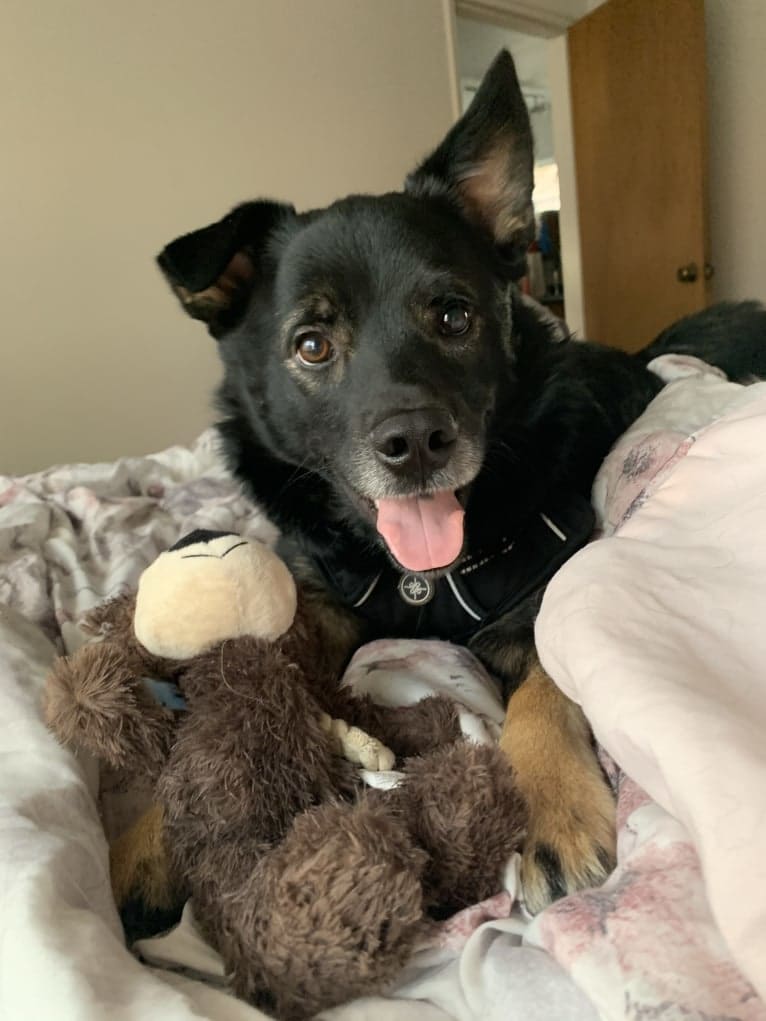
(212, 556)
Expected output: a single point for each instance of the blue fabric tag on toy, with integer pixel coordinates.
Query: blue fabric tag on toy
(166, 693)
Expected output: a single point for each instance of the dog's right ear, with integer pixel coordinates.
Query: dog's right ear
(213, 270)
(485, 165)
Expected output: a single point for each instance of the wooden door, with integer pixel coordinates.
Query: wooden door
(639, 113)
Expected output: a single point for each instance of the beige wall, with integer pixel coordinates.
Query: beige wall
(125, 124)
(736, 44)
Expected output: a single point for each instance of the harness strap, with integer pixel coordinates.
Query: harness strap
(485, 584)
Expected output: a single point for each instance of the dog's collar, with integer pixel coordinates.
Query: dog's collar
(487, 583)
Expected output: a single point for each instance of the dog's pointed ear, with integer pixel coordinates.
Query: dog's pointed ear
(214, 269)
(485, 164)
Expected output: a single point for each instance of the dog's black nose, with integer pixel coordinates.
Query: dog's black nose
(419, 440)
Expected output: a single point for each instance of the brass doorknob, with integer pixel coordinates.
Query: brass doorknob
(687, 274)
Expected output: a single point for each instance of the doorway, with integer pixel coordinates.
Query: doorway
(478, 43)
(617, 90)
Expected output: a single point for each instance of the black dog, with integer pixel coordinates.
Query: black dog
(423, 436)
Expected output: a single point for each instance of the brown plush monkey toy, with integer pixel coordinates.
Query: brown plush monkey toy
(215, 679)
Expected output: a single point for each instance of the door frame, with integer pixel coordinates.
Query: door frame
(522, 15)
(552, 23)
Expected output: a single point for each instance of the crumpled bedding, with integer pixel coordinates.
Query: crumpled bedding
(659, 940)
(658, 632)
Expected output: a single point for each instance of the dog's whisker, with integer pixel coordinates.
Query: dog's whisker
(301, 472)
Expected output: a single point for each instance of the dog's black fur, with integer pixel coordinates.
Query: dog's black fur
(413, 296)
(730, 335)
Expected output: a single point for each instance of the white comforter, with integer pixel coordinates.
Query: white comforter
(649, 620)
(659, 632)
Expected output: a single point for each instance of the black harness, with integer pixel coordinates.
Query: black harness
(485, 584)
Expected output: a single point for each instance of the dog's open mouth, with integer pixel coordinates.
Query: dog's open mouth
(424, 533)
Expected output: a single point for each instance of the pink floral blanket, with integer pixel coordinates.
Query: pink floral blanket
(657, 631)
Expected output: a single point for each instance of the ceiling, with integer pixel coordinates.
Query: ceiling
(478, 44)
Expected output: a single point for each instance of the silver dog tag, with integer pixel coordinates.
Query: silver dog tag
(415, 589)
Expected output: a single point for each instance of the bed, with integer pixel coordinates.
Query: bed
(657, 630)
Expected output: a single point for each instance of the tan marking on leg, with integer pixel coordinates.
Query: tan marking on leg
(571, 834)
(139, 864)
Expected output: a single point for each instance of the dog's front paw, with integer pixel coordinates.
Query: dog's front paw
(359, 747)
(571, 834)
(570, 843)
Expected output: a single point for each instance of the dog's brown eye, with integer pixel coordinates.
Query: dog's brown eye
(314, 349)
(454, 320)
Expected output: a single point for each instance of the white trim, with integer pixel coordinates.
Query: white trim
(554, 528)
(463, 603)
(569, 218)
(450, 30)
(369, 591)
(530, 17)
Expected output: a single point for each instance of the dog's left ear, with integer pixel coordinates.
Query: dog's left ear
(485, 164)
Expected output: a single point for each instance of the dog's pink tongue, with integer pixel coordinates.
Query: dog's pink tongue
(423, 532)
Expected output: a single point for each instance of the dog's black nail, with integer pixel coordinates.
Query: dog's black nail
(550, 864)
(605, 859)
